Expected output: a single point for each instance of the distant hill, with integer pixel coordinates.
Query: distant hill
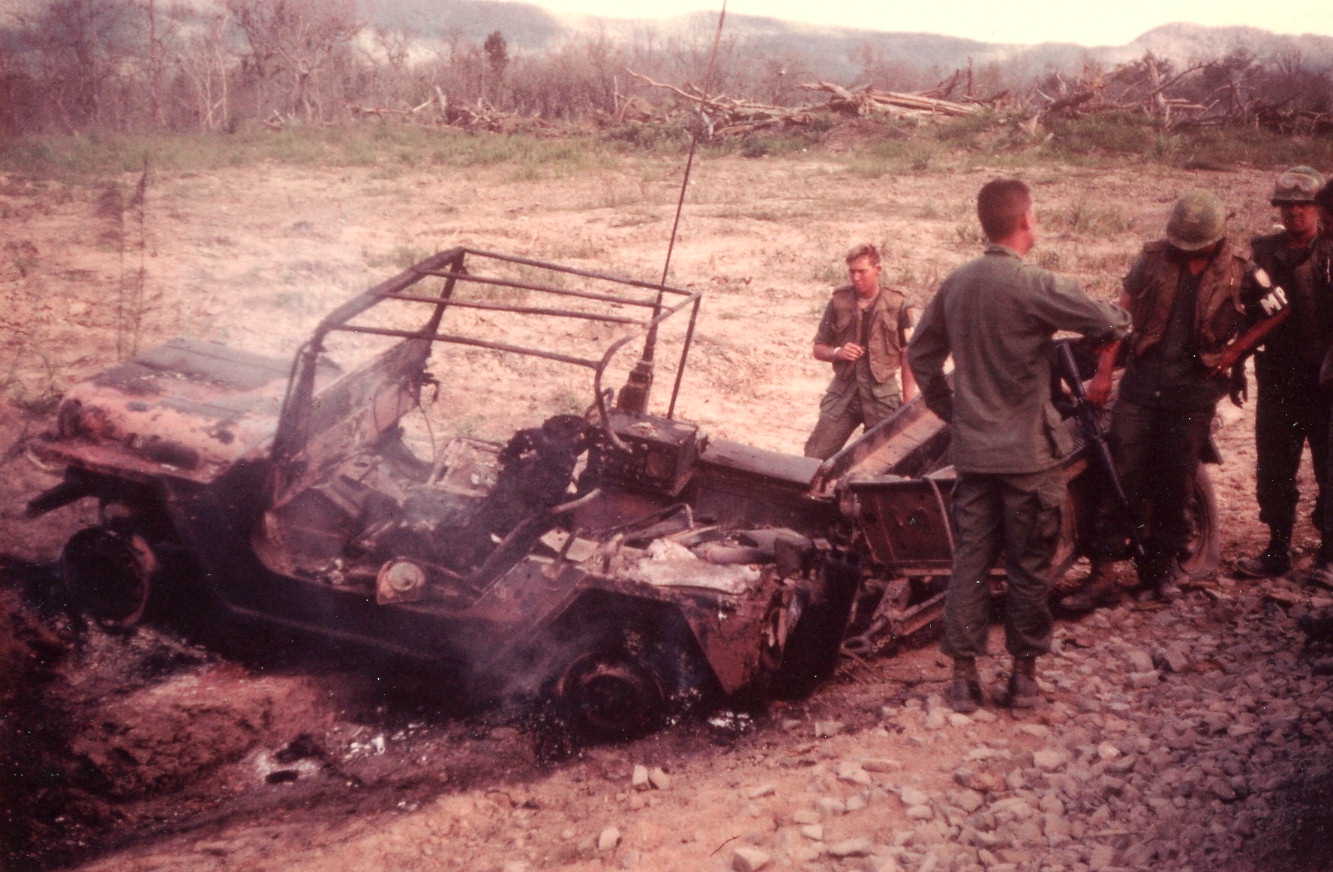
(834, 53)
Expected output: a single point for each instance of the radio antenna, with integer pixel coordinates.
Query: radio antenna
(634, 394)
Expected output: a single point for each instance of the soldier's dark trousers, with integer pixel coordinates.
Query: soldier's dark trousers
(1291, 411)
(1324, 513)
(1157, 455)
(1019, 516)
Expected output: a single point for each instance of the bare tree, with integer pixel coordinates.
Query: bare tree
(74, 46)
(291, 42)
(497, 58)
(205, 67)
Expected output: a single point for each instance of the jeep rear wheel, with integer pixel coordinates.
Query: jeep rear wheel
(1205, 539)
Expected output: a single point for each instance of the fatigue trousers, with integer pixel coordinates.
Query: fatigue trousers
(847, 404)
(1291, 411)
(1157, 453)
(1019, 516)
(1324, 513)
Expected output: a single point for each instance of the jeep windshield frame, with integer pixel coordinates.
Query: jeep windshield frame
(459, 264)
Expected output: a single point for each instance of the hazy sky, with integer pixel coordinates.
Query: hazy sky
(1023, 21)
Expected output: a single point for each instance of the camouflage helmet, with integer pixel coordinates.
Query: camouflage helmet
(1297, 185)
(1197, 221)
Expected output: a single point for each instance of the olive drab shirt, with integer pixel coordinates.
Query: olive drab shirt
(890, 323)
(996, 316)
(1152, 284)
(1318, 269)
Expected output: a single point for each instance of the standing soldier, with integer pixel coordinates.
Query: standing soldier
(1189, 295)
(1320, 266)
(1291, 410)
(863, 333)
(996, 316)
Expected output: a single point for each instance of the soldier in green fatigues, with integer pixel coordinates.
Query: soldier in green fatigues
(1320, 267)
(996, 316)
(863, 333)
(1189, 294)
(1291, 409)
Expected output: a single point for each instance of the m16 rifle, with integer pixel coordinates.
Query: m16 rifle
(1086, 414)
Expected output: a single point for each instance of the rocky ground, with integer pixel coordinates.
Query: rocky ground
(1189, 736)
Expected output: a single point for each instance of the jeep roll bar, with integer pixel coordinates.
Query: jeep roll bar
(459, 264)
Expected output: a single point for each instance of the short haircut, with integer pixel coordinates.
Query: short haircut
(863, 249)
(1001, 205)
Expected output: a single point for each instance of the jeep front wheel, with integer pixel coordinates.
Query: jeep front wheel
(108, 576)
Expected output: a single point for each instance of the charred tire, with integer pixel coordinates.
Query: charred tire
(108, 576)
(812, 647)
(1205, 539)
(610, 695)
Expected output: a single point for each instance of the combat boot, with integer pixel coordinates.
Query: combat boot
(964, 694)
(1168, 584)
(1272, 561)
(1099, 589)
(1023, 692)
(1163, 585)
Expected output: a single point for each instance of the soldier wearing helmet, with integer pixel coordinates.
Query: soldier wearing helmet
(1189, 295)
(1320, 270)
(1291, 411)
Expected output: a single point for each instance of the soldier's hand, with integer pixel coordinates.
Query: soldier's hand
(1239, 389)
(1099, 389)
(849, 351)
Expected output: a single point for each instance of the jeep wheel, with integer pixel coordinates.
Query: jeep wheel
(108, 576)
(610, 695)
(1205, 541)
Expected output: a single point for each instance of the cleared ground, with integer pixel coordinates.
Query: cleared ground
(376, 778)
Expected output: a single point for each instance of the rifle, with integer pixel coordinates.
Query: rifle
(1096, 440)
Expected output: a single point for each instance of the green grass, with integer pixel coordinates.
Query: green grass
(776, 144)
(1098, 139)
(885, 157)
(390, 150)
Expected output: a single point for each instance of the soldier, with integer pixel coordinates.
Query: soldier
(863, 333)
(995, 316)
(1291, 410)
(1189, 295)
(1320, 266)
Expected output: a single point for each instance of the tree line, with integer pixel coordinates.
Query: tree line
(72, 66)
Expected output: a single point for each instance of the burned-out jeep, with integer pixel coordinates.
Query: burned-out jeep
(598, 560)
(613, 564)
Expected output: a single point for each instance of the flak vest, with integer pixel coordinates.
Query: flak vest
(884, 347)
(1218, 311)
(1307, 328)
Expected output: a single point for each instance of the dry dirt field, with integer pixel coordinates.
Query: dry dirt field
(391, 779)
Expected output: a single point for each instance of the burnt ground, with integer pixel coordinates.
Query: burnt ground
(156, 751)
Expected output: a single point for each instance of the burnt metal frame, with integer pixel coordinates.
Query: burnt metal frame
(451, 265)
